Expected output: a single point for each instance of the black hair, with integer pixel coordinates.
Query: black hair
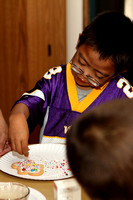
(111, 35)
(100, 150)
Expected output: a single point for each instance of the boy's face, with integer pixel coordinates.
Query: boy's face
(92, 68)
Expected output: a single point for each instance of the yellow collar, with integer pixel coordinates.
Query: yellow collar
(73, 96)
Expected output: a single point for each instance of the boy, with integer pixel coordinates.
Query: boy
(104, 50)
(100, 150)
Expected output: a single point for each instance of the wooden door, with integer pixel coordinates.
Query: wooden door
(32, 40)
(46, 36)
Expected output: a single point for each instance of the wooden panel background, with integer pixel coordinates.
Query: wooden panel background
(86, 7)
(27, 28)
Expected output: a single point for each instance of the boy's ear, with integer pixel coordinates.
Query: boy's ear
(78, 40)
(123, 71)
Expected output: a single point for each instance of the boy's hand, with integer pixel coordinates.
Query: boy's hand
(19, 133)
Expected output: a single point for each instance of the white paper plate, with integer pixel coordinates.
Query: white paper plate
(35, 195)
(53, 156)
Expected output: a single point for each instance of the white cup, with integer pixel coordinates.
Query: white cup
(13, 191)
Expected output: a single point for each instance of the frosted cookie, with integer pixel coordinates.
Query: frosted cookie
(28, 167)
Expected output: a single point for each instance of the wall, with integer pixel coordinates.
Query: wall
(129, 8)
(74, 25)
(32, 40)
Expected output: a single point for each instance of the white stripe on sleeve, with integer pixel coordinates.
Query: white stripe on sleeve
(37, 93)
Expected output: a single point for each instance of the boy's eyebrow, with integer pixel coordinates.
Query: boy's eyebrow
(105, 75)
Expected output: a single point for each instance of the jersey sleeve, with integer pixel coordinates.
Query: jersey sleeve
(40, 96)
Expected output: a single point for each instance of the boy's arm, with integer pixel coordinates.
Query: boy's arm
(18, 128)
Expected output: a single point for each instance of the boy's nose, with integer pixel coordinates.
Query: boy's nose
(89, 72)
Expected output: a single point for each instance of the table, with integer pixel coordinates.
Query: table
(45, 187)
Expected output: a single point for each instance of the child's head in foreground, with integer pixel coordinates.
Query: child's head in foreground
(100, 150)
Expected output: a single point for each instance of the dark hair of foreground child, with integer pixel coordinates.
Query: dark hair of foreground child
(100, 150)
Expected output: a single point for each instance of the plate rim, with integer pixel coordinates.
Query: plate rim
(56, 177)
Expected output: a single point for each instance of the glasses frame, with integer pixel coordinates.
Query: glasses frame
(90, 79)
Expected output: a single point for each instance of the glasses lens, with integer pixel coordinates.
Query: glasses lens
(93, 81)
(76, 69)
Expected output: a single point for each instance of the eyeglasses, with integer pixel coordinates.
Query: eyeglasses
(93, 81)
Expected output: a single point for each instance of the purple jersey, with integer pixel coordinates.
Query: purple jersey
(53, 102)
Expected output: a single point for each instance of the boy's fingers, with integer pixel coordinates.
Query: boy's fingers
(18, 146)
(25, 148)
(13, 146)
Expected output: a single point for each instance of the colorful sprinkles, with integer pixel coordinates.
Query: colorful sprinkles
(51, 167)
(59, 166)
(28, 166)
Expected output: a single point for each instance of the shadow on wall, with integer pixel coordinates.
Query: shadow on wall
(97, 6)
